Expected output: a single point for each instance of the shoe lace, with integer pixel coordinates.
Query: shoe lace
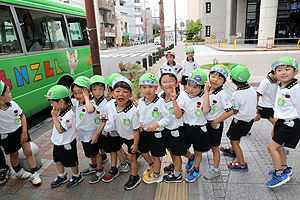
(171, 175)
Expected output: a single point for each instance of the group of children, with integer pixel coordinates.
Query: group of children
(169, 120)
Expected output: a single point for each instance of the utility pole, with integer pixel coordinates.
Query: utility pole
(162, 24)
(93, 39)
(175, 22)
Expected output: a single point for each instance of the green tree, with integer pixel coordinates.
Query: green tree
(157, 30)
(193, 28)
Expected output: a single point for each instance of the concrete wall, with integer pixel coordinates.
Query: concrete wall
(241, 19)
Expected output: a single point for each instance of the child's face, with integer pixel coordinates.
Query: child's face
(58, 104)
(215, 80)
(285, 73)
(193, 88)
(167, 83)
(6, 96)
(122, 95)
(170, 58)
(148, 90)
(78, 94)
(97, 91)
(190, 54)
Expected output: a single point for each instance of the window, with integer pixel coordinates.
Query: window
(137, 10)
(207, 28)
(208, 7)
(78, 31)
(42, 31)
(9, 42)
(137, 1)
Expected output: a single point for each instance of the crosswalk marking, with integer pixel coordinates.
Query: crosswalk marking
(122, 55)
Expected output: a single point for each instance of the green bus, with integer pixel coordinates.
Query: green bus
(42, 43)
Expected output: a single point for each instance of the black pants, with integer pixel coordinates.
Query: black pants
(2, 160)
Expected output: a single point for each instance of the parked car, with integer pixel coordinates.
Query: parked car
(157, 41)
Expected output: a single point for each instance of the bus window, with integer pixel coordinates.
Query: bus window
(9, 42)
(78, 31)
(42, 31)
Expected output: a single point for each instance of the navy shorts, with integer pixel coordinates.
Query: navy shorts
(289, 136)
(128, 143)
(215, 135)
(197, 136)
(265, 113)
(110, 143)
(68, 158)
(90, 150)
(238, 129)
(153, 142)
(175, 140)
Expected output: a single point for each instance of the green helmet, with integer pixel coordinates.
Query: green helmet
(57, 92)
(82, 81)
(197, 76)
(97, 79)
(111, 78)
(285, 61)
(189, 50)
(239, 73)
(170, 52)
(148, 79)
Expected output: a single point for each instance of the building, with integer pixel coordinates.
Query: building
(135, 19)
(253, 21)
(147, 24)
(122, 20)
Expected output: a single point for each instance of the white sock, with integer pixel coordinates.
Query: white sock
(62, 175)
(176, 174)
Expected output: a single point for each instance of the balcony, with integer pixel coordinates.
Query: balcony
(106, 5)
(103, 30)
(109, 19)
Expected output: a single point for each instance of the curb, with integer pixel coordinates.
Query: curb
(248, 50)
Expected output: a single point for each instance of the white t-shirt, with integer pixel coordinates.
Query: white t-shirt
(244, 100)
(193, 108)
(67, 124)
(10, 118)
(175, 123)
(154, 112)
(126, 121)
(84, 121)
(219, 104)
(267, 91)
(188, 67)
(100, 106)
(287, 101)
(176, 67)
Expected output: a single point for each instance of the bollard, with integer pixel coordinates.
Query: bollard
(153, 57)
(138, 62)
(36, 153)
(144, 60)
(159, 53)
(157, 56)
(150, 60)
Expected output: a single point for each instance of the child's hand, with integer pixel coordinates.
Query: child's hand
(94, 139)
(206, 86)
(106, 134)
(257, 118)
(23, 138)
(86, 92)
(54, 112)
(214, 124)
(141, 127)
(134, 148)
(152, 127)
(173, 94)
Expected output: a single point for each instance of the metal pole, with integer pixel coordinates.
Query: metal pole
(93, 39)
(162, 24)
(175, 22)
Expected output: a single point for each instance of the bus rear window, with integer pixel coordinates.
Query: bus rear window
(9, 42)
(78, 31)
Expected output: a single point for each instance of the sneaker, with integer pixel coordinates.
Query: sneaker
(237, 166)
(151, 179)
(123, 168)
(148, 171)
(110, 176)
(286, 151)
(132, 182)
(169, 168)
(4, 175)
(22, 174)
(104, 158)
(189, 164)
(288, 171)
(211, 173)
(97, 176)
(75, 180)
(35, 178)
(276, 181)
(171, 178)
(59, 180)
(192, 176)
(228, 151)
(89, 170)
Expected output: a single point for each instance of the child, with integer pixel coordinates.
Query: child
(5, 170)
(287, 111)
(88, 134)
(112, 142)
(173, 133)
(125, 118)
(221, 109)
(244, 110)
(153, 118)
(192, 104)
(170, 56)
(63, 136)
(13, 135)
(188, 65)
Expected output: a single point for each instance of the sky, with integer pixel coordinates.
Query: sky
(181, 10)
